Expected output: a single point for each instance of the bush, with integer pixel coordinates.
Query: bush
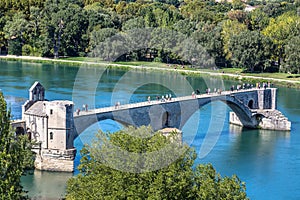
(157, 59)
(26, 50)
(14, 47)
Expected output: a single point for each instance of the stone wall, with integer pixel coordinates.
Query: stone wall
(18, 124)
(38, 127)
(55, 160)
(267, 119)
(274, 120)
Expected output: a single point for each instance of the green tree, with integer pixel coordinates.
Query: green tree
(185, 26)
(238, 5)
(3, 40)
(292, 52)
(149, 17)
(98, 36)
(199, 11)
(64, 24)
(274, 9)
(16, 32)
(209, 36)
(258, 19)
(280, 30)
(142, 164)
(15, 156)
(100, 18)
(250, 51)
(134, 23)
(229, 29)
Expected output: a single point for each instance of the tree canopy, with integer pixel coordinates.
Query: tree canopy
(251, 51)
(137, 163)
(15, 157)
(55, 28)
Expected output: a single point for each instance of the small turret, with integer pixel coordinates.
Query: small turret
(37, 92)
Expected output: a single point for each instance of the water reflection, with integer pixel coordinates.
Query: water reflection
(263, 134)
(254, 151)
(45, 185)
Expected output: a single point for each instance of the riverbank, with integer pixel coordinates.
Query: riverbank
(286, 80)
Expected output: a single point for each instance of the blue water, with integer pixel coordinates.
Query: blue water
(268, 161)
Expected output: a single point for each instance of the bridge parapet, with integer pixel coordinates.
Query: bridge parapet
(175, 113)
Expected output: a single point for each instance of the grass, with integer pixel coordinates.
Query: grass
(277, 76)
(133, 63)
(143, 63)
(231, 70)
(82, 59)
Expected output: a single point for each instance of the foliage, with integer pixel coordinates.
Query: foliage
(258, 20)
(250, 51)
(62, 28)
(237, 5)
(15, 156)
(280, 30)
(141, 164)
(229, 29)
(209, 36)
(292, 52)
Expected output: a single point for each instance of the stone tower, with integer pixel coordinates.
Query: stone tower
(51, 125)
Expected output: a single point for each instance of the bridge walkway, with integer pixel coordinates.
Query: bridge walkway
(157, 102)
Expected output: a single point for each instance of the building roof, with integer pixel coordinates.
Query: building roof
(37, 109)
(60, 102)
(36, 84)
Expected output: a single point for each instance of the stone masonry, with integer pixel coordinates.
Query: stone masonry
(54, 125)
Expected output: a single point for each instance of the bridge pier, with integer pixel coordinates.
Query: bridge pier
(54, 160)
(265, 119)
(264, 113)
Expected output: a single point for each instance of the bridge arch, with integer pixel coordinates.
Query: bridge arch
(165, 119)
(251, 104)
(242, 111)
(173, 113)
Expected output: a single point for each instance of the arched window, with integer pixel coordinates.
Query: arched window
(250, 104)
(20, 131)
(165, 119)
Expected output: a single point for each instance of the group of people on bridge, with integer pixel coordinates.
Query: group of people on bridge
(164, 98)
(84, 108)
(168, 97)
(243, 86)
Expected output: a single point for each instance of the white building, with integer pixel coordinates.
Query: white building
(51, 125)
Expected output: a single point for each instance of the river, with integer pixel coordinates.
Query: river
(268, 161)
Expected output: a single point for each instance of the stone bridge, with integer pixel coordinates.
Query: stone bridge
(176, 112)
(53, 125)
